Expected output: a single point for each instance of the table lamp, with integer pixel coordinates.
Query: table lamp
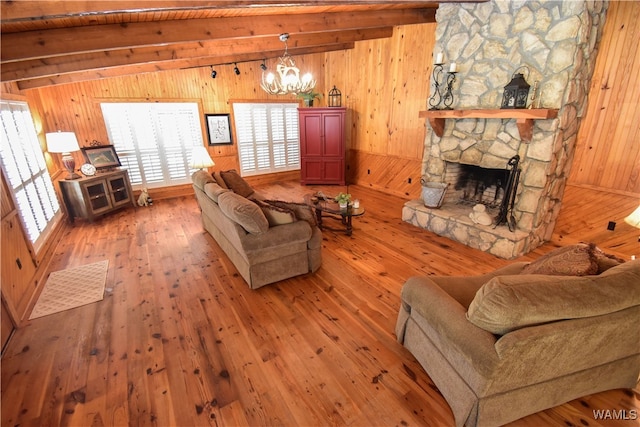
(200, 158)
(634, 219)
(65, 143)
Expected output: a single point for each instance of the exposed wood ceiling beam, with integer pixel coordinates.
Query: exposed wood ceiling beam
(170, 65)
(37, 68)
(38, 9)
(61, 41)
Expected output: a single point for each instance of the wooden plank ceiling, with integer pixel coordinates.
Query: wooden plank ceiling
(52, 42)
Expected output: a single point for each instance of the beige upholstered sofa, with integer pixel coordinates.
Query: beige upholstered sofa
(514, 342)
(267, 242)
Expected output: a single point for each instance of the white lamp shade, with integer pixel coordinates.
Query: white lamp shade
(62, 142)
(634, 218)
(200, 158)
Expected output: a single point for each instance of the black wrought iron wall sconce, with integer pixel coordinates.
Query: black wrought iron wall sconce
(442, 85)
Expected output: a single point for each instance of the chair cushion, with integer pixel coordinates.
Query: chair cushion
(235, 182)
(507, 303)
(574, 260)
(244, 212)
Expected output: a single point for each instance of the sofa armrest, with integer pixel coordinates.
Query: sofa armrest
(443, 302)
(298, 231)
(463, 288)
(457, 337)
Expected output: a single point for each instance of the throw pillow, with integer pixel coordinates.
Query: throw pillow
(214, 191)
(235, 182)
(243, 212)
(507, 303)
(302, 211)
(218, 178)
(605, 261)
(575, 260)
(275, 215)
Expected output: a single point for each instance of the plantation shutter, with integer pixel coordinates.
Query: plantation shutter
(154, 140)
(268, 138)
(26, 172)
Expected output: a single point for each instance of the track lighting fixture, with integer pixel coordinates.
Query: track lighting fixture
(263, 66)
(236, 69)
(214, 73)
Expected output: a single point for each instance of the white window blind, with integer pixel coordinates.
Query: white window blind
(154, 140)
(26, 172)
(268, 137)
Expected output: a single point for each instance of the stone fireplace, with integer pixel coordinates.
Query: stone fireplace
(555, 44)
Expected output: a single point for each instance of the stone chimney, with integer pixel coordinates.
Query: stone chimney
(553, 43)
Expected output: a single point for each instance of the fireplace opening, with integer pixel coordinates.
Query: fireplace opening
(474, 184)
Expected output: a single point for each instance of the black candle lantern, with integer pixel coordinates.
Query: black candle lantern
(335, 97)
(516, 92)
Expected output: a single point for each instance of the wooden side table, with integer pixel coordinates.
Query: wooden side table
(97, 195)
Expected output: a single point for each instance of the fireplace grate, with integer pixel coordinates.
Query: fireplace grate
(474, 184)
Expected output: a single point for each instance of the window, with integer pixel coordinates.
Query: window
(268, 137)
(26, 172)
(154, 141)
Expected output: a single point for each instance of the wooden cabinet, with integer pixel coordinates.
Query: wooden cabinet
(322, 145)
(93, 196)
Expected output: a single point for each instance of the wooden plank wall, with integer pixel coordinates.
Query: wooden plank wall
(76, 106)
(608, 149)
(384, 84)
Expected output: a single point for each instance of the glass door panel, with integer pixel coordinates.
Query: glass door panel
(98, 197)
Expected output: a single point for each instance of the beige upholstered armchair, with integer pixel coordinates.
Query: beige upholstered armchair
(508, 344)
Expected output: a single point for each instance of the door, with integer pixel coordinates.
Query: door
(97, 193)
(119, 191)
(311, 136)
(333, 150)
(18, 267)
(333, 134)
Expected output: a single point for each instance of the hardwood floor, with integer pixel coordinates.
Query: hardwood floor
(586, 214)
(180, 339)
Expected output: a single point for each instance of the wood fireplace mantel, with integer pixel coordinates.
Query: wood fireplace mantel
(524, 118)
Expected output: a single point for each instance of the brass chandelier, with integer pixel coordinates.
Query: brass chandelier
(287, 80)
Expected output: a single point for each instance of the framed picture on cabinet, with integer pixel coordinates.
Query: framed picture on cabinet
(218, 129)
(101, 156)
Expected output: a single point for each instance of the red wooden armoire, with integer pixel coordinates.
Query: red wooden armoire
(322, 145)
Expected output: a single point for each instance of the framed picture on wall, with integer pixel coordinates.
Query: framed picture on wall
(218, 129)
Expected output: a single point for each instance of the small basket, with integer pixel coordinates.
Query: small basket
(433, 193)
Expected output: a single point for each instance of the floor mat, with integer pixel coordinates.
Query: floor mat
(71, 288)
